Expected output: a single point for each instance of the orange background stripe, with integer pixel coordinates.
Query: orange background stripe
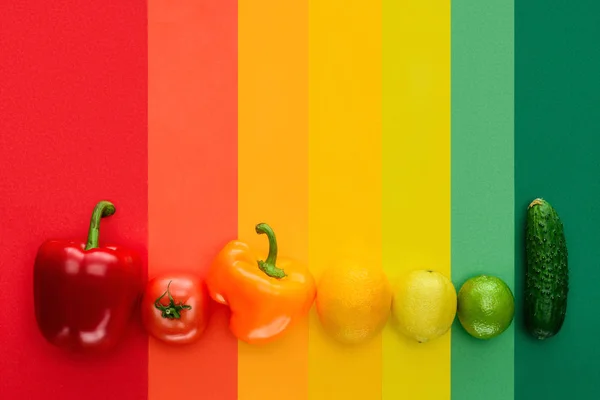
(345, 178)
(192, 177)
(273, 172)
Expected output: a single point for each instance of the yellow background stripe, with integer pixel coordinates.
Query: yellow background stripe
(273, 172)
(416, 178)
(345, 176)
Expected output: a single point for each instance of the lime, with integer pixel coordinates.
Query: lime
(424, 305)
(486, 306)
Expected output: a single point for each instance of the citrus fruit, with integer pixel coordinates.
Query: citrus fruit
(424, 305)
(353, 302)
(486, 306)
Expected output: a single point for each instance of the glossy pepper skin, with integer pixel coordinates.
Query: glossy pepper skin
(85, 295)
(266, 297)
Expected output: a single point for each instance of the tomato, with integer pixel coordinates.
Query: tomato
(175, 308)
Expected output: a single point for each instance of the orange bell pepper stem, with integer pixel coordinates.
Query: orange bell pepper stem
(266, 298)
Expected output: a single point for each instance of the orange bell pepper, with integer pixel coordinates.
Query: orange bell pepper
(266, 297)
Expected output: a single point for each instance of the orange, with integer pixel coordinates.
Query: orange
(353, 302)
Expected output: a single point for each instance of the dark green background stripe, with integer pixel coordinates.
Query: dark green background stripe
(482, 183)
(557, 156)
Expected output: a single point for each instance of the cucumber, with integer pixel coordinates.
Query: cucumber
(547, 271)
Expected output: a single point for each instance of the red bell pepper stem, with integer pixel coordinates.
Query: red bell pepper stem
(103, 209)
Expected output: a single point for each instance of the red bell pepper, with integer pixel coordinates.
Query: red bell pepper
(85, 295)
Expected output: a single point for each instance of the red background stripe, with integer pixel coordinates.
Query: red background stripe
(73, 130)
(192, 178)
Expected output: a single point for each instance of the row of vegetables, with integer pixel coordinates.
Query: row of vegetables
(85, 295)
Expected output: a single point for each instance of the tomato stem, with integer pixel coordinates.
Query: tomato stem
(268, 266)
(172, 310)
(103, 209)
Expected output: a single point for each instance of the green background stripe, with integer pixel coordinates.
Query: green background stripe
(482, 183)
(557, 156)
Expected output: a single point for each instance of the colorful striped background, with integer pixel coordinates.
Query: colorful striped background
(406, 134)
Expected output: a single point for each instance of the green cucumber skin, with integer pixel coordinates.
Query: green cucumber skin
(547, 275)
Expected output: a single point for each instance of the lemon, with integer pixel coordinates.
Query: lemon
(424, 305)
(486, 306)
(353, 302)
